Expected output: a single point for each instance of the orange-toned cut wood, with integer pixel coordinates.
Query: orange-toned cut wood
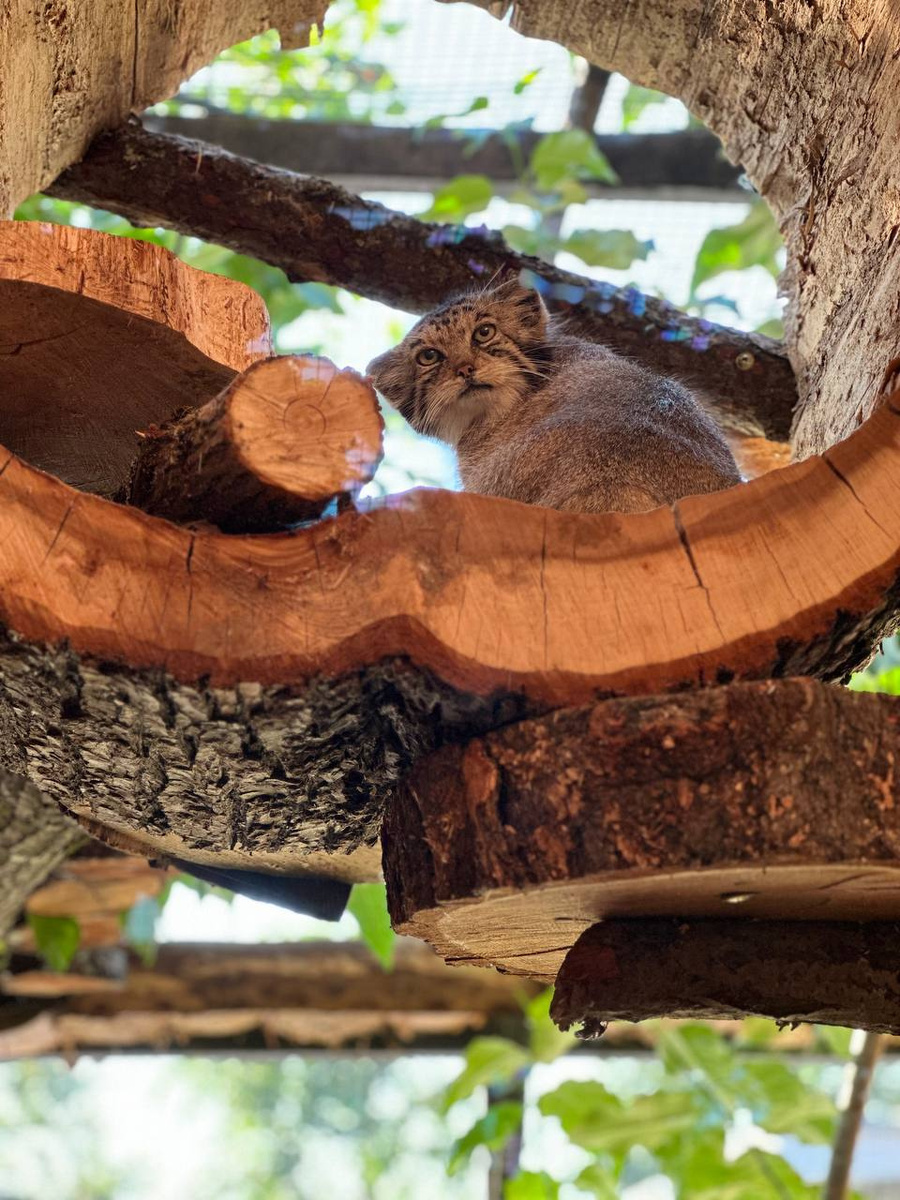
(257, 698)
(275, 448)
(226, 320)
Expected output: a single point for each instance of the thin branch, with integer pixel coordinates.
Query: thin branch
(315, 230)
(862, 1068)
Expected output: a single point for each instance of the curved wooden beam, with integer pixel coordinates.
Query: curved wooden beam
(776, 800)
(247, 700)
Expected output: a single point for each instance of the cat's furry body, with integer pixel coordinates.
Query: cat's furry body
(545, 418)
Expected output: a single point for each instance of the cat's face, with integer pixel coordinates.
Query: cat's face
(471, 359)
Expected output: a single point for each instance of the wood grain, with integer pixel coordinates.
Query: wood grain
(288, 437)
(777, 800)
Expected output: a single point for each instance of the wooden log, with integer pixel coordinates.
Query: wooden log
(827, 972)
(275, 448)
(395, 158)
(94, 346)
(314, 229)
(246, 702)
(777, 800)
(303, 994)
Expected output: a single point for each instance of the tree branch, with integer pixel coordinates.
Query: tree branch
(378, 156)
(863, 1069)
(315, 230)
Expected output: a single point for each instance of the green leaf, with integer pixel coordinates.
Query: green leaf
(531, 1185)
(458, 199)
(613, 248)
(571, 153)
(57, 939)
(753, 242)
(530, 241)
(695, 1047)
(636, 100)
(887, 682)
(545, 1041)
(368, 903)
(488, 1060)
(597, 1179)
(757, 1031)
(773, 328)
(598, 1121)
(526, 81)
(493, 1131)
(782, 1103)
(837, 1040)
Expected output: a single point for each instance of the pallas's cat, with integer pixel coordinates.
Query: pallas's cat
(539, 416)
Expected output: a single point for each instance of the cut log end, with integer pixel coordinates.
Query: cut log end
(275, 448)
(827, 972)
(774, 800)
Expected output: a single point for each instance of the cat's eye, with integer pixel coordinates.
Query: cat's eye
(484, 332)
(428, 357)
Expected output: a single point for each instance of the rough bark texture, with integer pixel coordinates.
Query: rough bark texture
(827, 972)
(804, 95)
(70, 70)
(375, 158)
(308, 994)
(35, 837)
(780, 797)
(315, 230)
(248, 776)
(288, 437)
(245, 701)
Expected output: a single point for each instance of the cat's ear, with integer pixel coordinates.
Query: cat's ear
(390, 373)
(532, 312)
(526, 305)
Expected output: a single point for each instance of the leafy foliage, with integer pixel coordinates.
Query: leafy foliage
(753, 242)
(681, 1127)
(368, 903)
(883, 673)
(493, 1131)
(635, 101)
(57, 939)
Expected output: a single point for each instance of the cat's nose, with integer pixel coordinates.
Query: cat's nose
(465, 370)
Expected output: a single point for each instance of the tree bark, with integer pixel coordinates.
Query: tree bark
(315, 230)
(247, 702)
(805, 97)
(71, 70)
(35, 837)
(776, 800)
(826, 972)
(275, 448)
(379, 158)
